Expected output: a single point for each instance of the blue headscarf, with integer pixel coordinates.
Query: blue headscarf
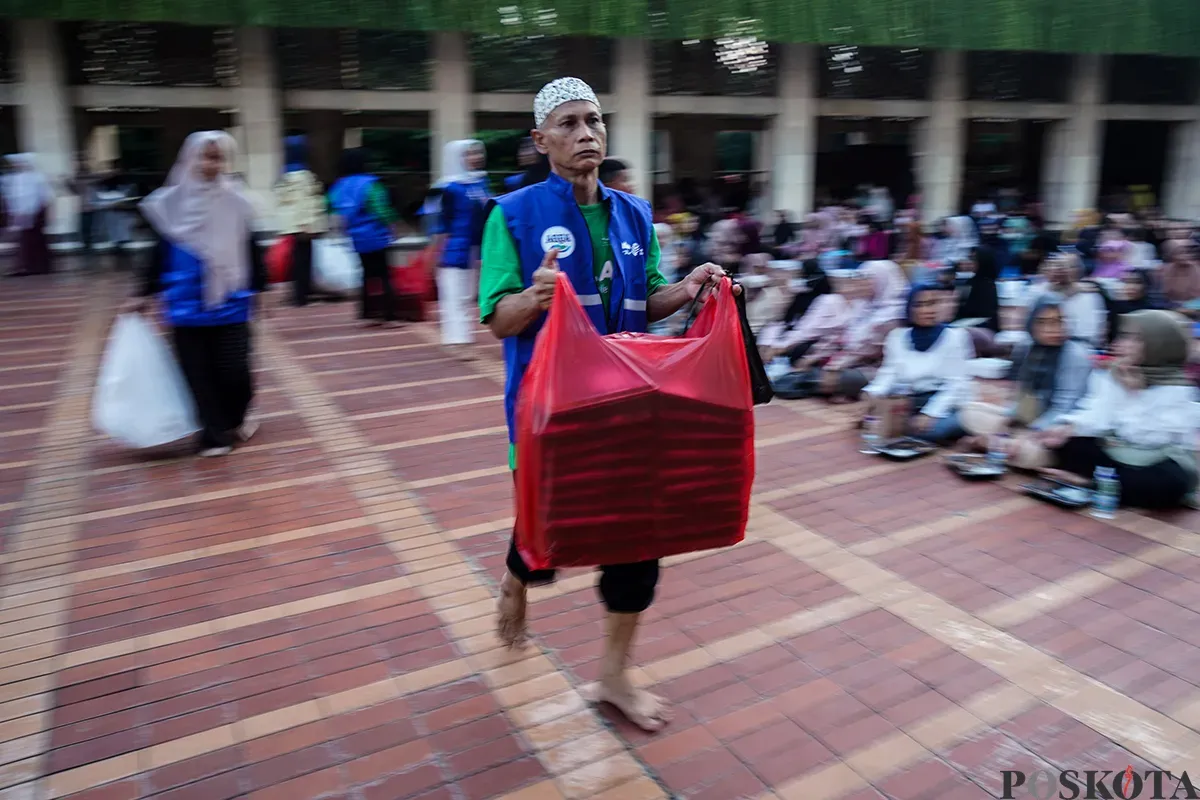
(923, 337)
(295, 150)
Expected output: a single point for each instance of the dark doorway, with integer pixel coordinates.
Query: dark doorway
(1003, 156)
(854, 152)
(1134, 162)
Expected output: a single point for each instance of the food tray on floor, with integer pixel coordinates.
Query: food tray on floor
(905, 448)
(974, 467)
(1059, 493)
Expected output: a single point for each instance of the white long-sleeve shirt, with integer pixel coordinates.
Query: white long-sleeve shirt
(1155, 417)
(941, 369)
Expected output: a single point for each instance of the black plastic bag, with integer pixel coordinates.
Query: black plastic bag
(760, 384)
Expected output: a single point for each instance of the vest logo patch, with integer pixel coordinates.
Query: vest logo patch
(634, 249)
(560, 239)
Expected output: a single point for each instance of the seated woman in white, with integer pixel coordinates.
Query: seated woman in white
(1138, 418)
(927, 363)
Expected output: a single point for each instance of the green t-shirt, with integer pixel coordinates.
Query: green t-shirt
(500, 269)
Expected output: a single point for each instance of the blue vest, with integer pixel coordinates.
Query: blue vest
(544, 216)
(349, 199)
(513, 182)
(183, 294)
(462, 220)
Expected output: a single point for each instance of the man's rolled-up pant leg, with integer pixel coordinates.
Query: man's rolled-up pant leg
(624, 588)
(628, 588)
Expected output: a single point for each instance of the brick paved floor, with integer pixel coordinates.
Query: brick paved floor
(311, 617)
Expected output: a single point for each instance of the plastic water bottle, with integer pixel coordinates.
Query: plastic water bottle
(998, 451)
(870, 435)
(1107, 493)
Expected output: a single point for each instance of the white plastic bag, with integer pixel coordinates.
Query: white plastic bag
(141, 398)
(336, 267)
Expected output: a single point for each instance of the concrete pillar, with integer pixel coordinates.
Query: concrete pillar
(45, 126)
(453, 116)
(1054, 159)
(1181, 189)
(325, 142)
(259, 116)
(941, 139)
(1082, 138)
(1181, 181)
(793, 135)
(629, 138)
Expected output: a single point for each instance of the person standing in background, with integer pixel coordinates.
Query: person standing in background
(364, 214)
(83, 186)
(28, 197)
(527, 156)
(464, 197)
(614, 173)
(300, 200)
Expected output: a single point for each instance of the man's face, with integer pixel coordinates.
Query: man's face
(573, 137)
(622, 182)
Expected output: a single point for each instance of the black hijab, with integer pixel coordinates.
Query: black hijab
(818, 284)
(982, 301)
(922, 337)
(1150, 300)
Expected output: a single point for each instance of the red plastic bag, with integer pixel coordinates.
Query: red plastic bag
(631, 446)
(279, 259)
(416, 276)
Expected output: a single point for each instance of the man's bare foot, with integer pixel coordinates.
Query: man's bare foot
(644, 709)
(510, 612)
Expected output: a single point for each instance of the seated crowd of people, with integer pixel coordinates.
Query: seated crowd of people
(1063, 356)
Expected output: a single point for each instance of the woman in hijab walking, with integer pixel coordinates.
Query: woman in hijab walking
(300, 200)
(28, 197)
(209, 272)
(364, 214)
(465, 195)
(1138, 418)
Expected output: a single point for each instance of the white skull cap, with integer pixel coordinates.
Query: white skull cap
(557, 92)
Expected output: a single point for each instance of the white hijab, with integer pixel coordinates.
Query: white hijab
(454, 163)
(26, 190)
(210, 219)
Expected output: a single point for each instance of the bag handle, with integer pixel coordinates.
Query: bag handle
(721, 285)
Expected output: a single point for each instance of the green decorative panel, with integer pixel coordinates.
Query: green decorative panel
(1164, 27)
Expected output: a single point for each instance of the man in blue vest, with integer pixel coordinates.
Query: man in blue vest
(604, 241)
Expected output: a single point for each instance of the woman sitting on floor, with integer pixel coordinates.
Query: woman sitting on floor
(1139, 417)
(844, 359)
(811, 314)
(926, 364)
(1051, 376)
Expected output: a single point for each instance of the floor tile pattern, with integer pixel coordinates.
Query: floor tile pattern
(312, 617)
